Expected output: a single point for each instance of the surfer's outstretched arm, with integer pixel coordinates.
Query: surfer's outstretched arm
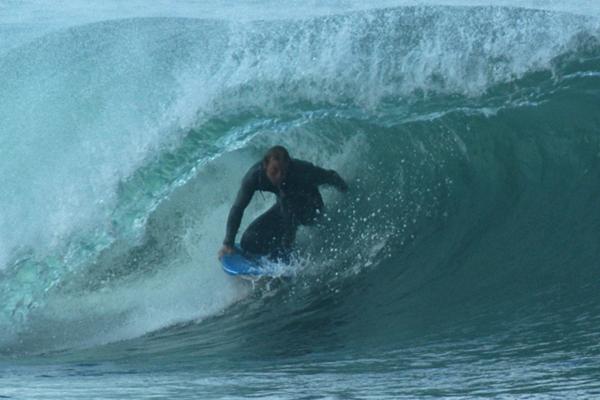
(336, 180)
(329, 177)
(237, 211)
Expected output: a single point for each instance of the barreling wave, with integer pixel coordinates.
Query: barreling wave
(469, 136)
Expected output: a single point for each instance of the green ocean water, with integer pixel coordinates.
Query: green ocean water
(463, 262)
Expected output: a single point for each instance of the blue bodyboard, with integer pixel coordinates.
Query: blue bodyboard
(250, 266)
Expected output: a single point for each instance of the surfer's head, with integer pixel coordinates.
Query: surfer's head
(276, 162)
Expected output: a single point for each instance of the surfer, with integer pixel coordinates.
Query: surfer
(295, 183)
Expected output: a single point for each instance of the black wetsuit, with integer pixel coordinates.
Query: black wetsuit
(298, 203)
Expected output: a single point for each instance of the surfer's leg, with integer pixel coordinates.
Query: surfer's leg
(265, 233)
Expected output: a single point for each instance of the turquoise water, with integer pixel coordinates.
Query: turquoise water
(463, 263)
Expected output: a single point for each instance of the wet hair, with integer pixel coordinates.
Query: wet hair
(277, 153)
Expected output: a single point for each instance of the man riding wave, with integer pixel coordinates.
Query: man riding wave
(296, 185)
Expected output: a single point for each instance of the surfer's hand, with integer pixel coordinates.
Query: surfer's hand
(344, 187)
(226, 250)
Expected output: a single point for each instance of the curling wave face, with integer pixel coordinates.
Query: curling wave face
(469, 135)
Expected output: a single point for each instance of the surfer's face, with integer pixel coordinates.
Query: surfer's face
(276, 172)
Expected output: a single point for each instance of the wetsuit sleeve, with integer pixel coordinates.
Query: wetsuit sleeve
(328, 177)
(237, 210)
